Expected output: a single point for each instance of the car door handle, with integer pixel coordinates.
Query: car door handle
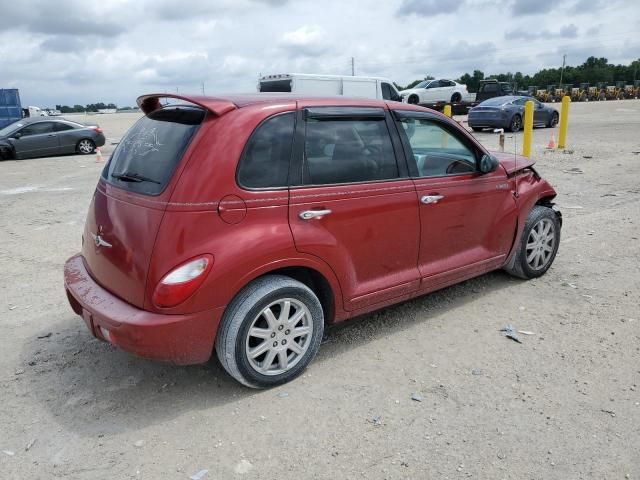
(309, 214)
(52, 135)
(431, 199)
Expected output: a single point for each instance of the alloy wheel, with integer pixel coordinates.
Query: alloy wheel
(540, 244)
(279, 336)
(85, 146)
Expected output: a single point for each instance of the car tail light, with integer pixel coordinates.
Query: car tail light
(180, 283)
(97, 129)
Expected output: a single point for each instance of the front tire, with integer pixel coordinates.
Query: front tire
(553, 121)
(538, 245)
(456, 98)
(86, 146)
(413, 99)
(270, 332)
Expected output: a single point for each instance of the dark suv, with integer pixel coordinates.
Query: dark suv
(245, 224)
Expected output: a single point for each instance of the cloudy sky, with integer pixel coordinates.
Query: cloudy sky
(74, 51)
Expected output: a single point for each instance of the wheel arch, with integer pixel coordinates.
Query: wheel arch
(319, 278)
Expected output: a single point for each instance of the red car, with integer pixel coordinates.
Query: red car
(244, 224)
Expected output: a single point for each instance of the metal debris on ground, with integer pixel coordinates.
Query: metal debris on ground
(29, 445)
(526, 332)
(46, 335)
(574, 170)
(510, 332)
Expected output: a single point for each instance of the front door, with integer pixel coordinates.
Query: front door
(354, 206)
(468, 219)
(37, 140)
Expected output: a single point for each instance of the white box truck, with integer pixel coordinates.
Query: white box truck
(330, 85)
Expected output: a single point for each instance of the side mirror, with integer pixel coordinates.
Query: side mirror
(488, 164)
(17, 136)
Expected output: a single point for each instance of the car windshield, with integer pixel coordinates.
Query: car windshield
(423, 84)
(149, 153)
(496, 101)
(12, 127)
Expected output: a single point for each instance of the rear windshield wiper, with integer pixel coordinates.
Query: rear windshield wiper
(133, 177)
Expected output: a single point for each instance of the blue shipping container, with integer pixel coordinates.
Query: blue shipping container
(10, 106)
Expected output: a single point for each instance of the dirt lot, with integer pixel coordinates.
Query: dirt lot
(564, 404)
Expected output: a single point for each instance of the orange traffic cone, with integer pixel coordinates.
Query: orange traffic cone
(99, 156)
(552, 142)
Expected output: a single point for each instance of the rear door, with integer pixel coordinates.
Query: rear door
(467, 219)
(37, 140)
(352, 204)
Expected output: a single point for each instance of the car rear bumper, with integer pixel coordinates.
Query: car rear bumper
(180, 339)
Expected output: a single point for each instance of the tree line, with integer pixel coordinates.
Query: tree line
(91, 107)
(592, 71)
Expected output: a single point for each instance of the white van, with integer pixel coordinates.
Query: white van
(330, 85)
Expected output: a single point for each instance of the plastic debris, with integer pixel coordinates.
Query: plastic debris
(139, 444)
(377, 420)
(283, 394)
(8, 452)
(29, 445)
(46, 335)
(416, 397)
(510, 332)
(526, 332)
(199, 475)
(243, 466)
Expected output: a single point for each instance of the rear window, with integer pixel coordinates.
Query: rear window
(150, 151)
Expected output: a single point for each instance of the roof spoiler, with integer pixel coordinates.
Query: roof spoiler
(218, 106)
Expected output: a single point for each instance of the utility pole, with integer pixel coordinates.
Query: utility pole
(564, 59)
(353, 67)
(202, 88)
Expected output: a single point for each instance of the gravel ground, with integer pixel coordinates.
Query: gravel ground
(425, 390)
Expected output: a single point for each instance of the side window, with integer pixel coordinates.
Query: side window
(62, 127)
(386, 91)
(37, 129)
(347, 150)
(520, 101)
(265, 160)
(446, 83)
(434, 84)
(506, 87)
(436, 151)
(490, 87)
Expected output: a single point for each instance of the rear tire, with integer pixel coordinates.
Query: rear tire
(538, 245)
(262, 324)
(516, 123)
(86, 146)
(553, 121)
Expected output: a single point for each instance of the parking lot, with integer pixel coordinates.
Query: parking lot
(426, 389)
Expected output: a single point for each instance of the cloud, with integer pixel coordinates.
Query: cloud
(70, 17)
(306, 40)
(566, 31)
(428, 8)
(533, 7)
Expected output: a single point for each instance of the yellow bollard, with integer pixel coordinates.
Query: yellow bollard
(528, 128)
(564, 122)
(445, 135)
